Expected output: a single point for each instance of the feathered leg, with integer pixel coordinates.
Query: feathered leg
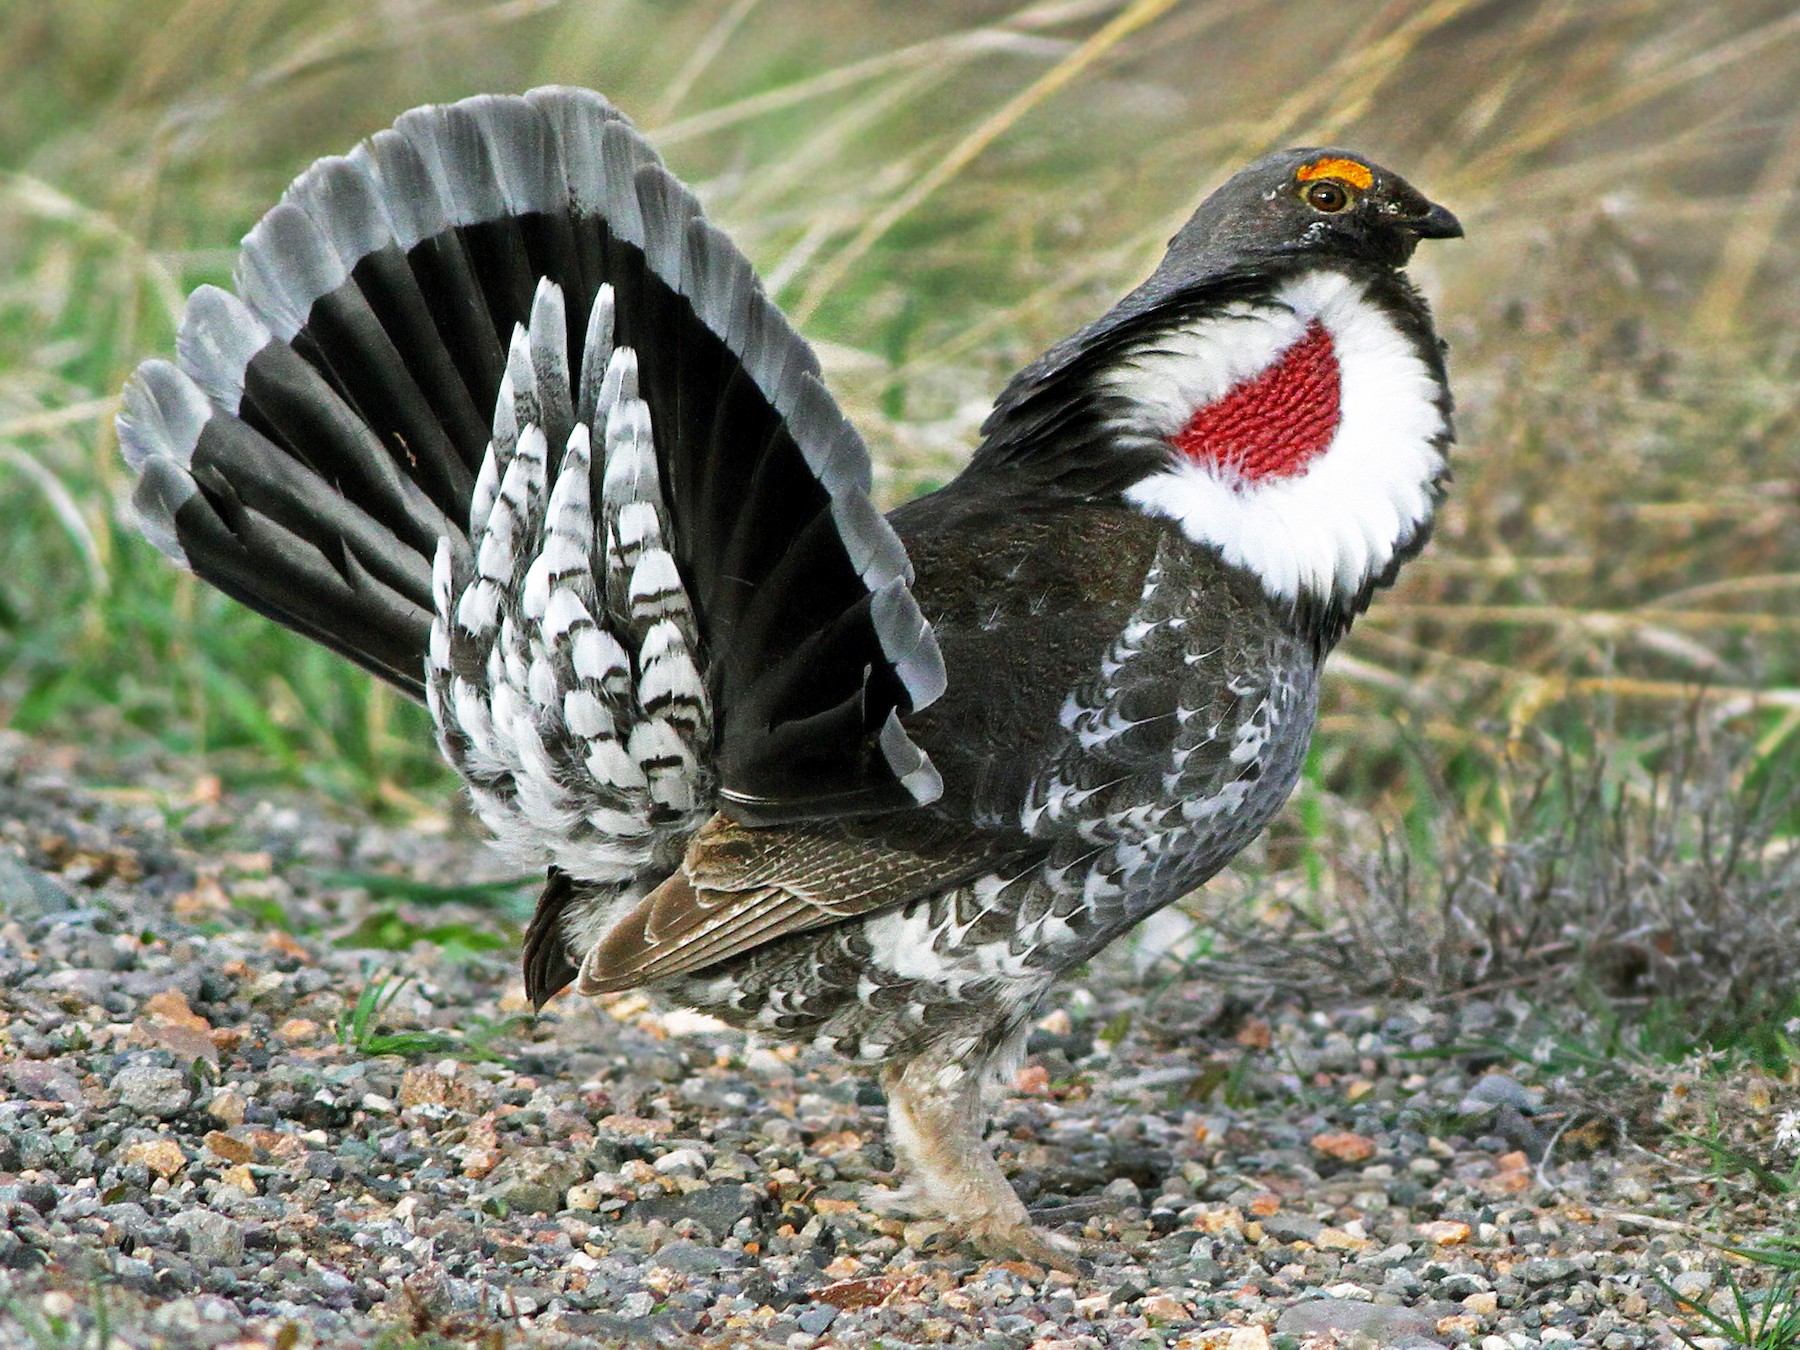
(936, 1118)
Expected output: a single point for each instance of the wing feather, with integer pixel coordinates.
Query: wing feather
(740, 888)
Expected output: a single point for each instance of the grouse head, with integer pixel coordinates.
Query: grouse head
(1317, 203)
(1274, 388)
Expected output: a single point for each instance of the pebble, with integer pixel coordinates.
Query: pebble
(212, 1237)
(535, 1180)
(816, 1320)
(150, 1090)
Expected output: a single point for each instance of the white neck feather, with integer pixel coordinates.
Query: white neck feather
(1330, 529)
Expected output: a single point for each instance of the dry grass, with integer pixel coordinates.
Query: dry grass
(1673, 885)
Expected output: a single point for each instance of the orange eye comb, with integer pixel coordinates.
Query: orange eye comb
(1350, 171)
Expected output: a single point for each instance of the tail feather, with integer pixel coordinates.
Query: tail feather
(373, 441)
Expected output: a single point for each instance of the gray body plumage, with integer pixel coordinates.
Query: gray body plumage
(1184, 739)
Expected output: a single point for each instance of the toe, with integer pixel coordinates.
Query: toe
(1029, 1243)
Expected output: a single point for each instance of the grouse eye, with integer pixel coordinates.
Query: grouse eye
(1327, 196)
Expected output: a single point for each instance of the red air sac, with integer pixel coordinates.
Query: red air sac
(1273, 424)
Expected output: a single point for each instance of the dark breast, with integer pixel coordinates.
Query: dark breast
(1122, 704)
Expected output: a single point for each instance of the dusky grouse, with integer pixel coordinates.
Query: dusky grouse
(497, 414)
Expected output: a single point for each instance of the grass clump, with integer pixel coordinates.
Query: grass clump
(359, 1029)
(1655, 900)
(1765, 1318)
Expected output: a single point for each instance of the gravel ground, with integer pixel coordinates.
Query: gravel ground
(190, 1151)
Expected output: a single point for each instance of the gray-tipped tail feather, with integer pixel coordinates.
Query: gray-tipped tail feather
(498, 415)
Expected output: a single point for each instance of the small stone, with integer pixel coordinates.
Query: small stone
(227, 1148)
(1255, 1034)
(212, 1237)
(162, 1156)
(1444, 1232)
(1292, 1228)
(864, 1293)
(1124, 1191)
(1692, 1285)
(816, 1319)
(1057, 1022)
(168, 1021)
(633, 1127)
(298, 1031)
(690, 1258)
(1463, 1283)
(534, 1180)
(1033, 1080)
(434, 1087)
(1499, 1089)
(1546, 1270)
(682, 1162)
(1344, 1146)
(717, 1209)
(151, 1090)
(46, 1080)
(26, 893)
(227, 1106)
(1163, 1308)
(1387, 1325)
(1482, 1305)
(583, 1196)
(637, 1304)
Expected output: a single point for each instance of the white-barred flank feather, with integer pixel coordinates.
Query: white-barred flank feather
(1333, 528)
(564, 563)
(584, 738)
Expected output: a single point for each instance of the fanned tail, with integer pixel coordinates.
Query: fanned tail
(326, 426)
(498, 415)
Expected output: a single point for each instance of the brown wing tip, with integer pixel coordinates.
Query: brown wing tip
(548, 969)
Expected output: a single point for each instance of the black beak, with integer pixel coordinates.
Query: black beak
(1437, 223)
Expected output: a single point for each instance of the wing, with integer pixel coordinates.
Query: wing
(740, 888)
(497, 414)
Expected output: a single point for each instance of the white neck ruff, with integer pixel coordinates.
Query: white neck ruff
(1331, 529)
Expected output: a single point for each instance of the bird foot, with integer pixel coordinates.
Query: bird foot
(1000, 1237)
(1007, 1241)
